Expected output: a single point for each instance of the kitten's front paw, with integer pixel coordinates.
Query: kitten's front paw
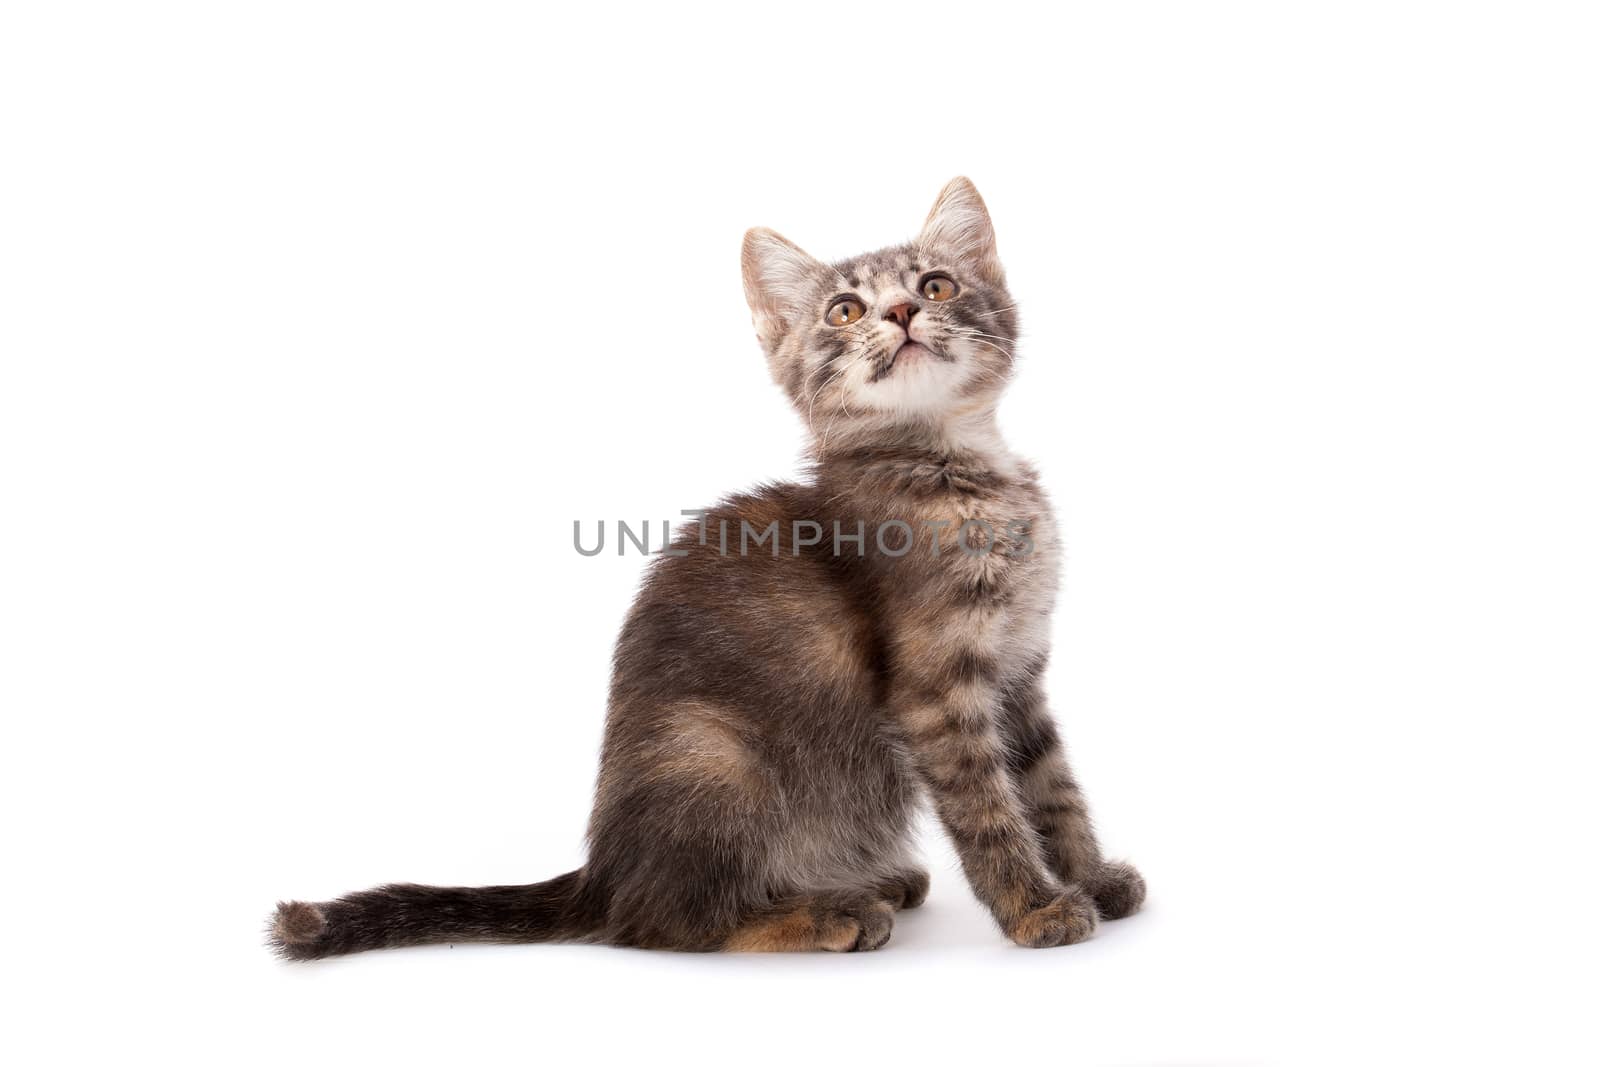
(1068, 919)
(1117, 888)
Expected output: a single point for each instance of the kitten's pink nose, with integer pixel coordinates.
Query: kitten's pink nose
(901, 313)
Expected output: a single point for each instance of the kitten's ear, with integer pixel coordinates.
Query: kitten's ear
(959, 223)
(776, 279)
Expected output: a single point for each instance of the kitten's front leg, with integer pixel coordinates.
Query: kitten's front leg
(1037, 761)
(948, 709)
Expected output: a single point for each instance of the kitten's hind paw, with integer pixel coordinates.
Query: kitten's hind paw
(851, 922)
(905, 889)
(876, 923)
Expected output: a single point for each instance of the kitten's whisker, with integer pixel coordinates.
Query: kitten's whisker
(811, 405)
(979, 333)
(978, 336)
(996, 311)
(994, 346)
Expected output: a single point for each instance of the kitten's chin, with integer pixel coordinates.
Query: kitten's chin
(919, 383)
(910, 352)
(908, 355)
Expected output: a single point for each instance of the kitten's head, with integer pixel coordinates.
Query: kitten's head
(912, 335)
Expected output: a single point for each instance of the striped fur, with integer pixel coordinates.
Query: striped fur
(776, 718)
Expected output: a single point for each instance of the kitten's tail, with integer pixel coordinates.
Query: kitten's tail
(395, 915)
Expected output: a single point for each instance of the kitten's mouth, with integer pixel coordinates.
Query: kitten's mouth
(910, 351)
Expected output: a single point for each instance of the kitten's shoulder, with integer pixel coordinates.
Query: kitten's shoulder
(736, 519)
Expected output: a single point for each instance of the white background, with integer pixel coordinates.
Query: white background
(322, 322)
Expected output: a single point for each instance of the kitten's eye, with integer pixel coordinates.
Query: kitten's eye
(937, 287)
(844, 312)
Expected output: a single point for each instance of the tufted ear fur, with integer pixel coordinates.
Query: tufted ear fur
(959, 223)
(777, 276)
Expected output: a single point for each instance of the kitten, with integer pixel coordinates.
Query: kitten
(778, 712)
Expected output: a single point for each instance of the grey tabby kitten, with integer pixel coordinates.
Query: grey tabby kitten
(776, 716)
